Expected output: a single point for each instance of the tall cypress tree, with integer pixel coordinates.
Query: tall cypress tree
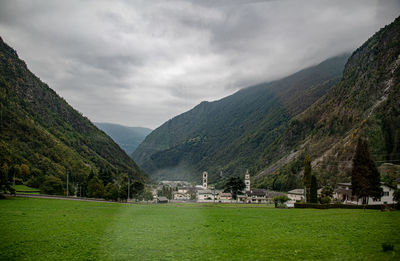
(313, 190)
(365, 177)
(307, 177)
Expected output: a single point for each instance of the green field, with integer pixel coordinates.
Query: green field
(50, 229)
(25, 189)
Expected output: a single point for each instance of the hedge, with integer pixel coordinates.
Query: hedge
(337, 205)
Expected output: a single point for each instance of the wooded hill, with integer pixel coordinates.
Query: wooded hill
(41, 131)
(234, 133)
(269, 128)
(365, 102)
(128, 138)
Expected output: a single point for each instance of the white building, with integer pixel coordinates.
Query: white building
(296, 194)
(207, 195)
(344, 194)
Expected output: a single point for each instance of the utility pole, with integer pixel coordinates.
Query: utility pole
(67, 183)
(128, 189)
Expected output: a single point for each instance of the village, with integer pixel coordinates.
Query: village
(181, 191)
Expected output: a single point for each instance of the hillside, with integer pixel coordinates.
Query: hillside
(128, 138)
(365, 102)
(226, 137)
(40, 130)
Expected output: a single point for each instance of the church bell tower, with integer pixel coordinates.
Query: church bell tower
(247, 180)
(205, 176)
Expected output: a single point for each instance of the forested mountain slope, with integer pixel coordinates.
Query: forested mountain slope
(226, 137)
(40, 130)
(128, 138)
(365, 102)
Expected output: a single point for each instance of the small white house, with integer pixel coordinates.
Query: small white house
(296, 194)
(387, 197)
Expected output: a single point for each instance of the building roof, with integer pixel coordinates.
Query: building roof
(348, 184)
(296, 191)
(162, 199)
(205, 191)
(257, 192)
(343, 191)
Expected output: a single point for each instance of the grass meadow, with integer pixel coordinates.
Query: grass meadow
(51, 229)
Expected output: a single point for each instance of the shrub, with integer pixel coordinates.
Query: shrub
(18, 181)
(325, 200)
(52, 185)
(33, 182)
(280, 199)
(387, 247)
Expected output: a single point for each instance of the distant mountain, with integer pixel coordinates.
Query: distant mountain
(39, 129)
(228, 136)
(365, 102)
(128, 138)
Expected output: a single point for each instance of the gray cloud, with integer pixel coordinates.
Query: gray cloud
(140, 63)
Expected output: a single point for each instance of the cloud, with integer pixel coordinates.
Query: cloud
(140, 63)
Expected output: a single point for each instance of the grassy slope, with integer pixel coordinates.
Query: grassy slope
(40, 229)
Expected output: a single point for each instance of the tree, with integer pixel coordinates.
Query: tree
(147, 195)
(327, 191)
(5, 181)
(25, 171)
(307, 177)
(396, 198)
(111, 192)
(280, 200)
(52, 185)
(365, 177)
(313, 190)
(235, 186)
(95, 188)
(106, 175)
(137, 189)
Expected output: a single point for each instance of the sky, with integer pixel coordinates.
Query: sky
(140, 63)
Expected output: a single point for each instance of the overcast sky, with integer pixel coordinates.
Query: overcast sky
(140, 63)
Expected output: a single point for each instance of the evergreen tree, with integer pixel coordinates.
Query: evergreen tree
(95, 188)
(365, 177)
(313, 190)
(307, 177)
(235, 185)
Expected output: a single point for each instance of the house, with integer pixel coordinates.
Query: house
(224, 197)
(162, 200)
(207, 195)
(185, 193)
(344, 194)
(258, 196)
(296, 194)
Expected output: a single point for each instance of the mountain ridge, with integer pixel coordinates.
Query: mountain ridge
(236, 119)
(41, 130)
(128, 138)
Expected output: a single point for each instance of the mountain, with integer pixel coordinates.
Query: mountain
(41, 131)
(228, 136)
(128, 138)
(366, 102)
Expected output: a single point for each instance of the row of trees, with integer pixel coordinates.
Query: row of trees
(103, 184)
